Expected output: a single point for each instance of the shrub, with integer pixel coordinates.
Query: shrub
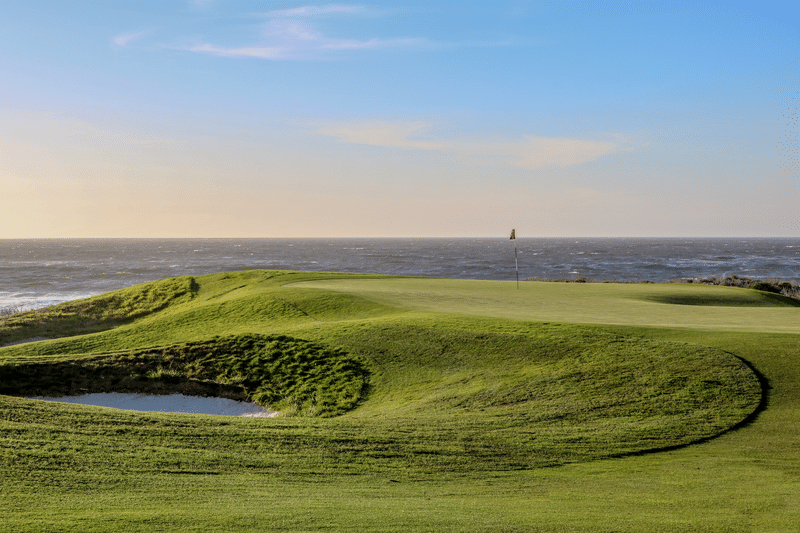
(765, 286)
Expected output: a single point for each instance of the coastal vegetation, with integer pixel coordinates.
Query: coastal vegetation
(407, 404)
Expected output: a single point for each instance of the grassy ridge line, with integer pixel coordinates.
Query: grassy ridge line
(98, 313)
(233, 303)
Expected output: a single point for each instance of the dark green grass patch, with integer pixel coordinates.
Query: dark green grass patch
(724, 297)
(287, 374)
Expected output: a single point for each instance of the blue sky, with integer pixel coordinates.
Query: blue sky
(215, 118)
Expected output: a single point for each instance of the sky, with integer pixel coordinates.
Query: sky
(560, 118)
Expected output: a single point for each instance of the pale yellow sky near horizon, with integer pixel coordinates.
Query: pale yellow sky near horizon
(65, 176)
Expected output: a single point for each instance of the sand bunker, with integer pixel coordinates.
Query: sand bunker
(169, 403)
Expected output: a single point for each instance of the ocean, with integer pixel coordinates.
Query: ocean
(39, 272)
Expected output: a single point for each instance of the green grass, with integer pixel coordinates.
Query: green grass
(460, 406)
(284, 373)
(666, 305)
(96, 314)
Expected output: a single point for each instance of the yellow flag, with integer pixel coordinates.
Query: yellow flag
(513, 234)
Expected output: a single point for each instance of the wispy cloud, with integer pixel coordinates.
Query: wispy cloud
(532, 152)
(288, 34)
(124, 39)
(395, 135)
(529, 152)
(260, 52)
(310, 11)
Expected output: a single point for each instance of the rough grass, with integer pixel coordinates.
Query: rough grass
(458, 412)
(443, 400)
(475, 393)
(284, 373)
(96, 314)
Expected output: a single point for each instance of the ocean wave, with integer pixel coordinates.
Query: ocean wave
(42, 272)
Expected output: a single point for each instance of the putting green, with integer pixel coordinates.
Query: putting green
(659, 305)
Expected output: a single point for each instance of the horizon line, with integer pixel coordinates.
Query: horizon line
(504, 236)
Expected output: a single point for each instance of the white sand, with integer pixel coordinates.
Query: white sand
(25, 341)
(170, 403)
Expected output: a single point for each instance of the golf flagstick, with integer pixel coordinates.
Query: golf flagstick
(516, 263)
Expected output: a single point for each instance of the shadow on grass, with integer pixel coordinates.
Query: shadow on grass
(102, 375)
(287, 374)
(765, 394)
(745, 422)
(756, 299)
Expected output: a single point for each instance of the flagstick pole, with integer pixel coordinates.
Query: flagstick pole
(516, 263)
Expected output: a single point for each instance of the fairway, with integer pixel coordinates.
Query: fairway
(408, 404)
(663, 305)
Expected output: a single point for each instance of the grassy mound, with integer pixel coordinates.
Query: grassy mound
(98, 313)
(474, 392)
(446, 399)
(553, 393)
(286, 374)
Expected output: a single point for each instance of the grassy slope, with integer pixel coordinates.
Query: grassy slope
(96, 314)
(744, 480)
